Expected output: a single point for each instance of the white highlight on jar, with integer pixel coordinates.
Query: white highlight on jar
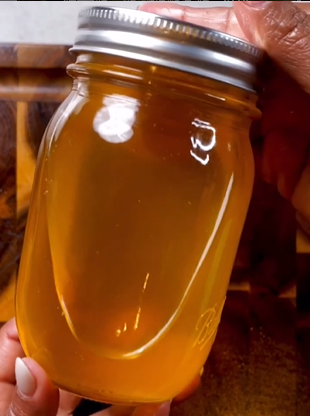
(114, 122)
(202, 141)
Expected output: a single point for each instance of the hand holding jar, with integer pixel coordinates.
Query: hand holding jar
(283, 31)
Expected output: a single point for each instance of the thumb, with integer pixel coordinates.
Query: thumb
(283, 30)
(34, 394)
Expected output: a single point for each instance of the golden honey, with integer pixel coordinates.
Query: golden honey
(141, 191)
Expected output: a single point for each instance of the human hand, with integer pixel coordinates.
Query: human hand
(283, 30)
(27, 391)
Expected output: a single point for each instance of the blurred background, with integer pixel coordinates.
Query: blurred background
(55, 22)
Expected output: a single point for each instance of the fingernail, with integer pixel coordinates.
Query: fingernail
(25, 381)
(201, 371)
(257, 4)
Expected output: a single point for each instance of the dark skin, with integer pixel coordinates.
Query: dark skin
(283, 30)
(285, 100)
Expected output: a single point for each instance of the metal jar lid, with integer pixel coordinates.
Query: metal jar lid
(170, 43)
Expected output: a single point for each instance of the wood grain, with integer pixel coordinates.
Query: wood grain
(37, 85)
(33, 82)
(33, 56)
(256, 366)
(8, 231)
(32, 119)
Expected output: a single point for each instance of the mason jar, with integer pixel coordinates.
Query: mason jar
(142, 186)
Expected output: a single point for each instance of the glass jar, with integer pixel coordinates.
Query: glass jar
(142, 186)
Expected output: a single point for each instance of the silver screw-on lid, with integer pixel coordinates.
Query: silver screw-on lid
(167, 42)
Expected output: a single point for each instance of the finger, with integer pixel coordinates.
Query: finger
(116, 411)
(285, 127)
(68, 402)
(127, 411)
(284, 154)
(9, 351)
(283, 30)
(34, 394)
(219, 18)
(152, 410)
(144, 410)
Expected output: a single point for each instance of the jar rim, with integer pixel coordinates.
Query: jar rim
(170, 43)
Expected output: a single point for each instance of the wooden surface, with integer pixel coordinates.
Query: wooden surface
(257, 365)
(260, 364)
(33, 82)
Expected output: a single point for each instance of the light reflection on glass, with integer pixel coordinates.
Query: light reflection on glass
(114, 122)
(216, 97)
(118, 332)
(216, 227)
(203, 140)
(140, 302)
(200, 262)
(137, 318)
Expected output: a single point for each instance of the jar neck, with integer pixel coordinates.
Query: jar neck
(91, 68)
